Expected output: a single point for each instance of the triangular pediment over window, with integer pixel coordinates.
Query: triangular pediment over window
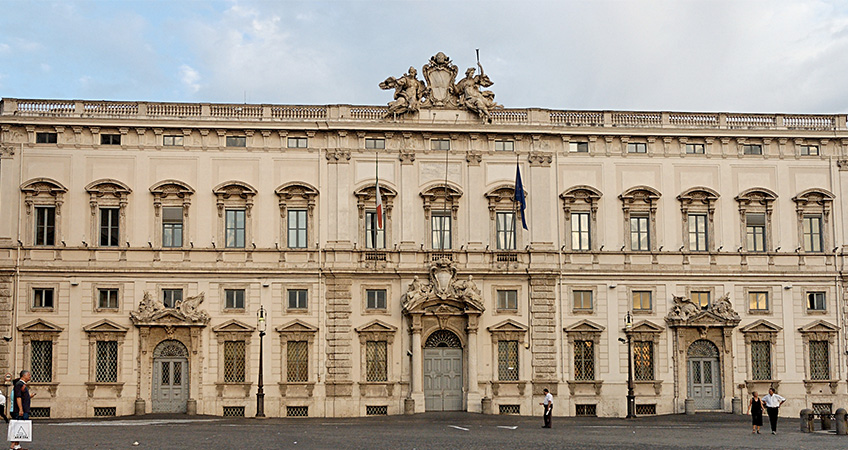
(508, 325)
(105, 326)
(297, 326)
(647, 327)
(376, 326)
(234, 326)
(819, 326)
(40, 326)
(584, 326)
(760, 326)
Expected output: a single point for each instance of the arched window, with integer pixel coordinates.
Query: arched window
(234, 203)
(813, 208)
(43, 198)
(108, 201)
(640, 218)
(297, 208)
(370, 233)
(441, 203)
(171, 202)
(755, 211)
(697, 207)
(580, 205)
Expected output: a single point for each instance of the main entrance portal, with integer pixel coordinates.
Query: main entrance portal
(704, 375)
(443, 372)
(170, 377)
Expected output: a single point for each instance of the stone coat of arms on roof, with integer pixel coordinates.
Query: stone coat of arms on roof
(443, 286)
(441, 89)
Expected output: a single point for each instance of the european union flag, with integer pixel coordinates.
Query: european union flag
(519, 196)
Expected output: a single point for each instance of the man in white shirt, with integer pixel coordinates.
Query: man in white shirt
(773, 402)
(548, 403)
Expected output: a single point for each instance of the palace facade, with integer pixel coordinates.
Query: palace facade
(139, 240)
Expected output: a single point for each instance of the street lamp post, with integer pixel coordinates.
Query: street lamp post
(631, 397)
(260, 393)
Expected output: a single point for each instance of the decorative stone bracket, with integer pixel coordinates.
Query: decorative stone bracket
(496, 385)
(596, 384)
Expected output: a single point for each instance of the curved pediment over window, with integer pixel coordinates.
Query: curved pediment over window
(699, 194)
(504, 192)
(814, 196)
(38, 186)
(581, 193)
(645, 194)
(296, 190)
(757, 195)
(234, 188)
(107, 187)
(171, 187)
(366, 193)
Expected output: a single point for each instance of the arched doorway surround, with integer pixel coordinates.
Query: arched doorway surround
(170, 377)
(704, 376)
(443, 372)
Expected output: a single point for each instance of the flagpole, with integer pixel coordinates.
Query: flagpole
(376, 198)
(515, 205)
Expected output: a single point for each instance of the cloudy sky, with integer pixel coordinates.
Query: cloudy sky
(750, 56)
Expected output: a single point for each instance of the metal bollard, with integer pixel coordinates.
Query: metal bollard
(841, 421)
(826, 421)
(807, 420)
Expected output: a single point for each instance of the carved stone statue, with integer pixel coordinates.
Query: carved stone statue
(442, 286)
(189, 309)
(409, 91)
(472, 97)
(724, 309)
(469, 292)
(147, 308)
(151, 310)
(683, 308)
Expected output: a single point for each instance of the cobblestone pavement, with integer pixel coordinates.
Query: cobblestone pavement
(423, 431)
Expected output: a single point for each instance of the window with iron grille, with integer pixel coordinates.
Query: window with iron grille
(42, 298)
(234, 411)
(296, 142)
(508, 299)
(297, 411)
(234, 298)
(109, 227)
(298, 298)
(580, 231)
(376, 360)
(297, 228)
(375, 236)
(508, 360)
(234, 361)
(758, 301)
(812, 228)
(816, 301)
(819, 360)
(646, 410)
(45, 225)
(172, 226)
(440, 226)
(376, 410)
(504, 146)
(235, 228)
(39, 413)
(297, 361)
(643, 360)
(755, 228)
(105, 411)
(375, 143)
(584, 360)
(509, 409)
(822, 408)
(586, 410)
(505, 230)
(42, 361)
(582, 300)
(761, 360)
(640, 236)
(107, 362)
(107, 298)
(170, 297)
(697, 232)
(375, 299)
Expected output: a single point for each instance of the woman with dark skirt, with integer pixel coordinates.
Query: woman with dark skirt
(755, 408)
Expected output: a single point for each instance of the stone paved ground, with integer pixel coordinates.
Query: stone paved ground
(438, 431)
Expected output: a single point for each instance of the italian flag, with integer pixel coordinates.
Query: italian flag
(379, 207)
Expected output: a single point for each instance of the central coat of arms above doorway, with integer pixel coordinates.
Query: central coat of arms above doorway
(443, 286)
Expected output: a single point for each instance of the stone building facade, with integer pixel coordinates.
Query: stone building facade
(140, 239)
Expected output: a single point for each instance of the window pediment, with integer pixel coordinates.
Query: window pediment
(761, 326)
(233, 326)
(645, 326)
(698, 195)
(367, 193)
(584, 326)
(231, 189)
(171, 187)
(813, 198)
(756, 196)
(507, 326)
(108, 187)
(105, 326)
(38, 186)
(819, 326)
(581, 194)
(640, 194)
(376, 326)
(40, 326)
(297, 326)
(296, 191)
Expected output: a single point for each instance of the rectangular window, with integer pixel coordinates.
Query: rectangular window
(297, 361)
(809, 150)
(41, 361)
(816, 301)
(758, 301)
(374, 237)
(376, 361)
(173, 141)
(375, 143)
(297, 298)
(584, 360)
(508, 360)
(755, 225)
(170, 297)
(234, 352)
(508, 299)
(695, 149)
(234, 298)
(580, 232)
(812, 233)
(440, 224)
(172, 226)
(761, 360)
(702, 299)
(235, 228)
(236, 141)
(819, 360)
(637, 147)
(107, 298)
(110, 139)
(505, 230)
(296, 142)
(642, 301)
(578, 147)
(643, 360)
(375, 299)
(46, 138)
(698, 232)
(45, 225)
(752, 149)
(107, 362)
(109, 229)
(297, 228)
(439, 144)
(639, 233)
(582, 300)
(505, 146)
(42, 298)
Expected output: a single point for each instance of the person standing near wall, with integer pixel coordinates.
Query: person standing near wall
(548, 403)
(773, 402)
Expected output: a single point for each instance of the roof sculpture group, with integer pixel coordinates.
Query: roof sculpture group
(441, 90)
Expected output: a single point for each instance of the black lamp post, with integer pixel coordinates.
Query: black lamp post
(631, 397)
(260, 393)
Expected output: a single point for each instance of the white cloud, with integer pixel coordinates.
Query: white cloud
(190, 78)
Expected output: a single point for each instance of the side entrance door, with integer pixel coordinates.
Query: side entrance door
(170, 378)
(443, 379)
